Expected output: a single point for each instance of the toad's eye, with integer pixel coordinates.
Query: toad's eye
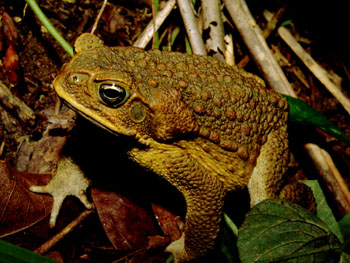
(112, 94)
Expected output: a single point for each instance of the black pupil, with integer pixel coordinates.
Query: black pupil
(112, 94)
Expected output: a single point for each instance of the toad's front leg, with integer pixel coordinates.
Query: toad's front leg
(203, 193)
(204, 200)
(68, 180)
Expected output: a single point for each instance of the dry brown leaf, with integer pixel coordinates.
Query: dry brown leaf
(10, 64)
(126, 224)
(8, 43)
(167, 222)
(8, 28)
(19, 207)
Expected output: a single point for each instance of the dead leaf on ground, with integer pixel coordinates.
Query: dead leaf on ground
(8, 41)
(167, 222)
(126, 224)
(10, 64)
(8, 29)
(19, 207)
(42, 156)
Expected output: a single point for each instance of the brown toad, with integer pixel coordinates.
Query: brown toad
(204, 126)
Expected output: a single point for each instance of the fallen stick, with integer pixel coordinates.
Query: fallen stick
(65, 231)
(154, 25)
(186, 10)
(213, 24)
(261, 53)
(13, 103)
(319, 72)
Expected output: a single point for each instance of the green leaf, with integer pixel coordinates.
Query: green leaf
(228, 241)
(287, 23)
(275, 230)
(188, 46)
(345, 258)
(13, 254)
(344, 225)
(301, 112)
(323, 210)
(174, 35)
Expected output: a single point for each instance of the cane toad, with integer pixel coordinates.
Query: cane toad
(204, 126)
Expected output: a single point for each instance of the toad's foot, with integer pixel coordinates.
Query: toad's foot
(68, 180)
(177, 249)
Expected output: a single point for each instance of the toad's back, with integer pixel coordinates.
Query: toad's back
(232, 107)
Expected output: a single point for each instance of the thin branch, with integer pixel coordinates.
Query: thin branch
(331, 176)
(99, 16)
(213, 24)
(154, 25)
(229, 50)
(65, 231)
(314, 67)
(257, 46)
(272, 23)
(191, 26)
(270, 26)
(13, 103)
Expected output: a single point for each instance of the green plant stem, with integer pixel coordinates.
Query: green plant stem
(155, 43)
(231, 225)
(50, 28)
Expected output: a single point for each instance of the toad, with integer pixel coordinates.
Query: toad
(206, 127)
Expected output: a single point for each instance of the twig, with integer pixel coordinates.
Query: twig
(192, 30)
(331, 176)
(257, 46)
(283, 61)
(271, 25)
(59, 236)
(213, 23)
(99, 16)
(2, 148)
(229, 52)
(315, 68)
(13, 103)
(154, 25)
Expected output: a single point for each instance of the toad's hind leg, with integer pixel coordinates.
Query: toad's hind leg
(203, 194)
(266, 178)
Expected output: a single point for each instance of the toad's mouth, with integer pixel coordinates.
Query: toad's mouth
(86, 116)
